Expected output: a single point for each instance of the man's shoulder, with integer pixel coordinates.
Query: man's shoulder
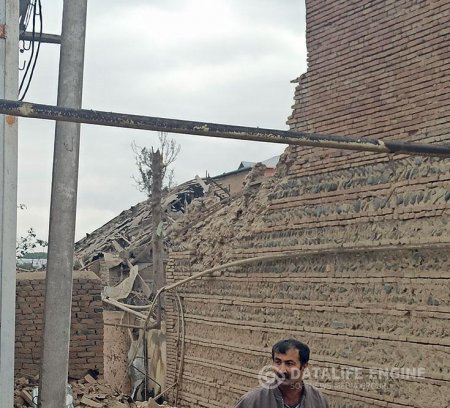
(312, 389)
(255, 397)
(258, 392)
(315, 395)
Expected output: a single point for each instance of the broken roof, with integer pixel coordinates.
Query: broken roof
(132, 228)
(131, 231)
(270, 163)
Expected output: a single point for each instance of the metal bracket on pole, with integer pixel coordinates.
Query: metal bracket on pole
(43, 38)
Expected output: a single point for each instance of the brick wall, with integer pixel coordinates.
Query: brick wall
(367, 283)
(86, 345)
(371, 310)
(375, 68)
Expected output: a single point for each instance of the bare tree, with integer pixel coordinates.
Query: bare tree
(144, 156)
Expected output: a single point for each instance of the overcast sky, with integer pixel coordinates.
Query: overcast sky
(224, 61)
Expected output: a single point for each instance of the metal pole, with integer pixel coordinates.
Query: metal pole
(9, 62)
(44, 38)
(34, 110)
(58, 291)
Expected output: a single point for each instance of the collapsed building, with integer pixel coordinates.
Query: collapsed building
(346, 251)
(114, 275)
(120, 254)
(126, 239)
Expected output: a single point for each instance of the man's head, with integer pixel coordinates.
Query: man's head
(290, 358)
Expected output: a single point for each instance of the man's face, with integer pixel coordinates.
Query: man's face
(287, 367)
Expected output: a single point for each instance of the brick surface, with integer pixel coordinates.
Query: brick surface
(86, 325)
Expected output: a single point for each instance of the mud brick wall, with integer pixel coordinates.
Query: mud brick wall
(367, 284)
(378, 69)
(86, 343)
(369, 309)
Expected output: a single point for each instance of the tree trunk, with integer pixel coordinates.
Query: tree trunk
(157, 243)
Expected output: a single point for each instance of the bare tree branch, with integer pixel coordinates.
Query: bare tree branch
(169, 150)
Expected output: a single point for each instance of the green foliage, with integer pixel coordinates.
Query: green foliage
(28, 243)
(35, 255)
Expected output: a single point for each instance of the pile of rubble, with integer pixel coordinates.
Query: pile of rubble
(129, 234)
(86, 392)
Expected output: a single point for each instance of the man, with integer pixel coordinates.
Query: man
(287, 390)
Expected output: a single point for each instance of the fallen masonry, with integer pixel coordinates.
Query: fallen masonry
(86, 392)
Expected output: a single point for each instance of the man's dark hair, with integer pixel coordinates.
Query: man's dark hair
(284, 345)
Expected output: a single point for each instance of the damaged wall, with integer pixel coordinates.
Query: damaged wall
(368, 285)
(86, 341)
(116, 345)
(371, 310)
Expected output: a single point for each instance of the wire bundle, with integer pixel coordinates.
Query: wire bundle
(32, 12)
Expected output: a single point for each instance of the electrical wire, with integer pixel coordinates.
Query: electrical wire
(179, 363)
(183, 343)
(173, 286)
(35, 13)
(31, 9)
(34, 8)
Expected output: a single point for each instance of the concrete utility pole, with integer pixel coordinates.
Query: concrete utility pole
(58, 291)
(9, 63)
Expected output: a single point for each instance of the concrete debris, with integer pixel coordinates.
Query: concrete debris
(86, 392)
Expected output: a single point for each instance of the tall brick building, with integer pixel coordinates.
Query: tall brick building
(367, 285)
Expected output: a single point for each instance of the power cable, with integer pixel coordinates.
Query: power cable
(34, 8)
